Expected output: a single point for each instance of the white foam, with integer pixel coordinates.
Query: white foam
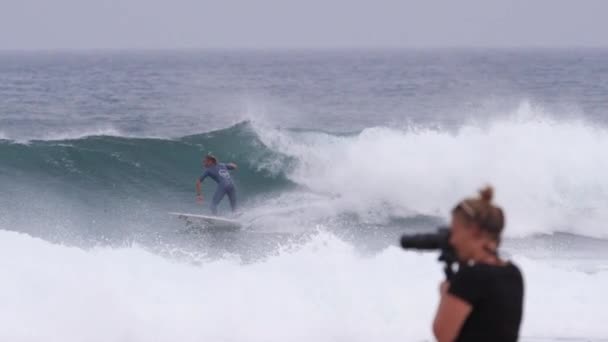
(549, 175)
(322, 291)
(79, 134)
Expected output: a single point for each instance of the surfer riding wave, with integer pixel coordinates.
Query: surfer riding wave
(219, 172)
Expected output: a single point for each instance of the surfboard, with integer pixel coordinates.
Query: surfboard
(208, 220)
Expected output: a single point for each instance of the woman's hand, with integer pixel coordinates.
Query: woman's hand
(451, 314)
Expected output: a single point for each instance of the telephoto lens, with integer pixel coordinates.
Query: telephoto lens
(432, 241)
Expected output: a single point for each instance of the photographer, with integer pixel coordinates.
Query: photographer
(483, 301)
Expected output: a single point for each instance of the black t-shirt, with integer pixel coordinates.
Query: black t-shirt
(496, 295)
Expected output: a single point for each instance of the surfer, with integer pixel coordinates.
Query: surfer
(219, 172)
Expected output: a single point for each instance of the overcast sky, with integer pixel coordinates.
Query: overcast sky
(86, 24)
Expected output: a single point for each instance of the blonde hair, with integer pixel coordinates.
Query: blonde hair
(481, 211)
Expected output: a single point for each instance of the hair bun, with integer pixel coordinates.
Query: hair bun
(487, 194)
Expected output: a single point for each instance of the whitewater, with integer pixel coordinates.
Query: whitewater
(322, 290)
(330, 176)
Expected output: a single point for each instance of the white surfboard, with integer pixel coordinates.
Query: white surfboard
(208, 221)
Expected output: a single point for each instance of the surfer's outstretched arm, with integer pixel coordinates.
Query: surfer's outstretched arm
(231, 166)
(200, 180)
(199, 194)
(198, 187)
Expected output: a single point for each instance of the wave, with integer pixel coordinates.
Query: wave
(548, 174)
(122, 163)
(322, 290)
(103, 189)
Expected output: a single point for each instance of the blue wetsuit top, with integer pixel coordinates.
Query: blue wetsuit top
(219, 173)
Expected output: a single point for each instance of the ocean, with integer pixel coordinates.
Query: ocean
(340, 152)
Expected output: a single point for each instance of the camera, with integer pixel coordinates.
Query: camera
(434, 241)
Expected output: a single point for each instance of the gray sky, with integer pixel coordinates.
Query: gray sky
(86, 24)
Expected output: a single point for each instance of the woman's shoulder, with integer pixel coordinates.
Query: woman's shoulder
(486, 278)
(483, 270)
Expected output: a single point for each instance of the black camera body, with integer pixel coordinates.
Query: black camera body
(434, 241)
